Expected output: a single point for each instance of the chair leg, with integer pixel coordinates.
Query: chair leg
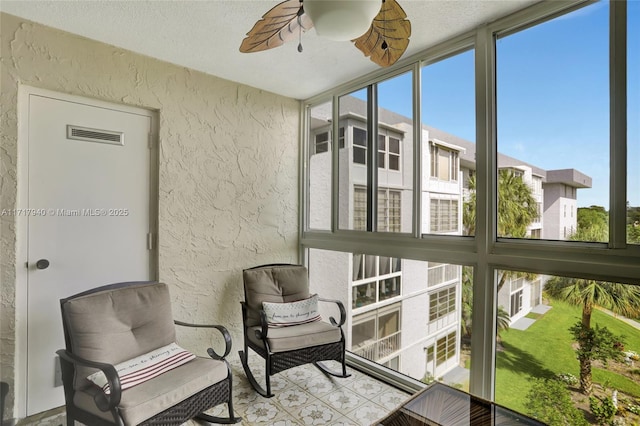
(330, 372)
(219, 420)
(244, 359)
(232, 419)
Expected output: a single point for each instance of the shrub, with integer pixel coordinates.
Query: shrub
(550, 402)
(603, 409)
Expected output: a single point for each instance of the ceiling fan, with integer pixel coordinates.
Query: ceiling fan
(384, 42)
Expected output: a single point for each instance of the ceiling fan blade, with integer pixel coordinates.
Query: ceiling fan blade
(278, 26)
(388, 36)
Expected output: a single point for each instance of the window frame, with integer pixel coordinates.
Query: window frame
(386, 154)
(453, 162)
(441, 220)
(389, 210)
(358, 146)
(323, 142)
(444, 302)
(377, 279)
(612, 261)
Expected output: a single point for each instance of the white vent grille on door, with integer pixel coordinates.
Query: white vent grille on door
(94, 135)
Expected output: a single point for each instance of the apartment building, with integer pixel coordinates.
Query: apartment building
(386, 293)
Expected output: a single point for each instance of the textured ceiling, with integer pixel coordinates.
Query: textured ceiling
(205, 35)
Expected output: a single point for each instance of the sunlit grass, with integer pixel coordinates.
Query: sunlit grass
(547, 348)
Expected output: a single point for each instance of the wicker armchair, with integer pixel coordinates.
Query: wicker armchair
(284, 347)
(114, 329)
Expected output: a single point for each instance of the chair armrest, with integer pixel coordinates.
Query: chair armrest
(343, 312)
(105, 402)
(264, 324)
(225, 334)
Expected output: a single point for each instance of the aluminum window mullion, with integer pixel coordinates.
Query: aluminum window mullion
(482, 380)
(372, 158)
(618, 124)
(335, 162)
(417, 151)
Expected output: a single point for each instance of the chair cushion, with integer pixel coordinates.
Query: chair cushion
(277, 284)
(292, 313)
(156, 395)
(297, 336)
(145, 367)
(118, 324)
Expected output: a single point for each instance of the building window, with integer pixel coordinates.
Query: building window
(388, 153)
(442, 303)
(444, 163)
(321, 143)
(445, 348)
(341, 143)
(537, 185)
(389, 214)
(444, 215)
(388, 150)
(375, 279)
(376, 335)
(359, 146)
(516, 303)
(359, 208)
(516, 283)
(440, 273)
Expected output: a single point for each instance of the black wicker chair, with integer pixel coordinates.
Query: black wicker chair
(109, 325)
(293, 345)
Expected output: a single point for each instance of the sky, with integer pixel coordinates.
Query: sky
(552, 97)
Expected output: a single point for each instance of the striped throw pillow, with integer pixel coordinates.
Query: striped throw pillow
(292, 313)
(144, 367)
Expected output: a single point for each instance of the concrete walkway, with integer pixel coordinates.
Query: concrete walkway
(524, 322)
(458, 375)
(631, 322)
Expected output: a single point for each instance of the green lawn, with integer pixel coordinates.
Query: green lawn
(545, 349)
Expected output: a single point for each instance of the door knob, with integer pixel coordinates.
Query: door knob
(42, 264)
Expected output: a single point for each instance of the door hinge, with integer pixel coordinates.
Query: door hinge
(151, 241)
(151, 140)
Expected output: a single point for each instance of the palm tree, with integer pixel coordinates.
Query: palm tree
(621, 299)
(467, 300)
(503, 317)
(517, 209)
(503, 321)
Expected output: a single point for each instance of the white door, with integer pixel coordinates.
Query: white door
(89, 218)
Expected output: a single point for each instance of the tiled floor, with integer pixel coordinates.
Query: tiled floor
(303, 396)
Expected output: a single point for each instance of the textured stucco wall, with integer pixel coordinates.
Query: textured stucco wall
(228, 168)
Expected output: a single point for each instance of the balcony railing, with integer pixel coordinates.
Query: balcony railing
(378, 349)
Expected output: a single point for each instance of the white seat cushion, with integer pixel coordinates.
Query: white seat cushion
(298, 336)
(152, 397)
